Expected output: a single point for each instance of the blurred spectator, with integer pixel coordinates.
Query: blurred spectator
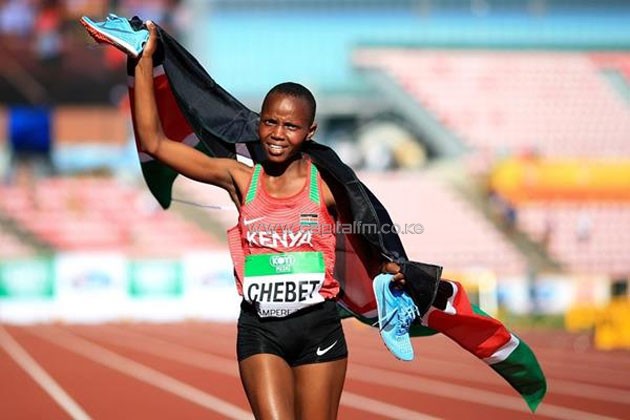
(409, 154)
(378, 156)
(548, 229)
(503, 211)
(46, 55)
(29, 134)
(583, 227)
(16, 17)
(348, 152)
(179, 18)
(399, 146)
(510, 216)
(48, 35)
(156, 10)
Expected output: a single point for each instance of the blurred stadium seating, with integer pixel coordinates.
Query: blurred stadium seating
(454, 233)
(587, 238)
(14, 247)
(72, 214)
(545, 80)
(552, 104)
(513, 102)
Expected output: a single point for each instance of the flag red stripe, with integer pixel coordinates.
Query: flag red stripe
(478, 334)
(173, 122)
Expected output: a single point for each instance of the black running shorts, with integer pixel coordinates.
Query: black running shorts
(311, 335)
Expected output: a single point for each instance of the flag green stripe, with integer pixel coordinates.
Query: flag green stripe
(477, 310)
(522, 371)
(159, 179)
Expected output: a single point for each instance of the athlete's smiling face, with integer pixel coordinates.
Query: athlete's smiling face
(285, 123)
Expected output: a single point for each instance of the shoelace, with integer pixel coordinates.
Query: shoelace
(405, 318)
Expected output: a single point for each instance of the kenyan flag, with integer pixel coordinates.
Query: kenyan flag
(485, 337)
(230, 131)
(159, 177)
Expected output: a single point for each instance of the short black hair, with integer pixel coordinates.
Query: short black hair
(295, 90)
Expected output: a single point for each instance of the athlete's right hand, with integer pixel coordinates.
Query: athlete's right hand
(152, 43)
(392, 268)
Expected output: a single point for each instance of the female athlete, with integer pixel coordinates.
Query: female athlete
(291, 349)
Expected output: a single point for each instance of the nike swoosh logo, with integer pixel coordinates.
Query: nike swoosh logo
(321, 352)
(249, 222)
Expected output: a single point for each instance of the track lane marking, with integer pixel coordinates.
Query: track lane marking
(206, 361)
(141, 372)
(387, 410)
(593, 392)
(488, 398)
(455, 370)
(40, 376)
(453, 391)
(553, 366)
(170, 351)
(460, 392)
(596, 359)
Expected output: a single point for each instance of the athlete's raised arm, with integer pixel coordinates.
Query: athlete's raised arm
(184, 159)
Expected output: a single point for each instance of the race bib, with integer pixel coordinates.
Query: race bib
(281, 284)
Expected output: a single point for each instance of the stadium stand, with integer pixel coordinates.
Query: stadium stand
(616, 61)
(454, 233)
(586, 238)
(99, 214)
(547, 103)
(12, 247)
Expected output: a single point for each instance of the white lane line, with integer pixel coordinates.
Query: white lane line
(457, 370)
(594, 392)
(203, 360)
(141, 372)
(166, 350)
(39, 375)
(419, 383)
(389, 411)
(592, 373)
(459, 392)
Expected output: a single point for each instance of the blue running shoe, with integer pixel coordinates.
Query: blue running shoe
(396, 312)
(117, 31)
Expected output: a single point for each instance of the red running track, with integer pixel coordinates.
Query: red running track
(189, 371)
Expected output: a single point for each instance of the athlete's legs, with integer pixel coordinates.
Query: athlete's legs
(318, 389)
(268, 383)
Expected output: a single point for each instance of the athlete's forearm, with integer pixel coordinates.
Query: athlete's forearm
(148, 125)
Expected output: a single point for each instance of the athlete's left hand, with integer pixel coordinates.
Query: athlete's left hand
(152, 42)
(393, 268)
